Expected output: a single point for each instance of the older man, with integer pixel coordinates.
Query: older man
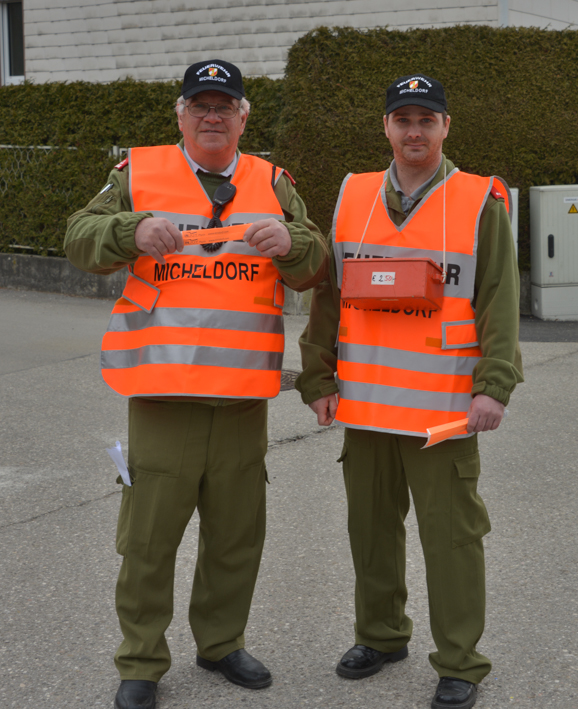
(196, 342)
(402, 371)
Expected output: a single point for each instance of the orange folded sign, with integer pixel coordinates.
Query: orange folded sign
(210, 236)
(437, 434)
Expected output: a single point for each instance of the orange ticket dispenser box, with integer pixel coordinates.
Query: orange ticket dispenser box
(415, 283)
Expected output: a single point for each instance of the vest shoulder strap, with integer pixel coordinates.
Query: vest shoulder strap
(365, 179)
(500, 190)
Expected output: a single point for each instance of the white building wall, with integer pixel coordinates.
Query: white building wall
(550, 14)
(103, 40)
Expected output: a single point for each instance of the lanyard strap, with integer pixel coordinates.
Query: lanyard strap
(444, 272)
(370, 215)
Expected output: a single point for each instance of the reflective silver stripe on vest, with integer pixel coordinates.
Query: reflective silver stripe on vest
(403, 359)
(197, 317)
(336, 212)
(229, 247)
(461, 267)
(453, 346)
(183, 222)
(191, 354)
(404, 398)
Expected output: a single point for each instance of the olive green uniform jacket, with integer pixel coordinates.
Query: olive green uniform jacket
(497, 296)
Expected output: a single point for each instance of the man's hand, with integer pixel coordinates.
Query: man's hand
(270, 237)
(157, 237)
(485, 414)
(325, 409)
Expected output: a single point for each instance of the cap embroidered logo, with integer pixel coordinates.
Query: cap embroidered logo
(214, 74)
(412, 90)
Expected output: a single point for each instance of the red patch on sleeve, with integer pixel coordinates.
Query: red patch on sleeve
(496, 194)
(289, 176)
(121, 165)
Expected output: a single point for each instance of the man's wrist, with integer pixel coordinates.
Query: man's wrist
(311, 395)
(292, 252)
(492, 390)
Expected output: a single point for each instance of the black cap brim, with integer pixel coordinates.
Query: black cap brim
(213, 87)
(415, 101)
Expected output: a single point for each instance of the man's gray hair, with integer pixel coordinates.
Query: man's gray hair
(244, 106)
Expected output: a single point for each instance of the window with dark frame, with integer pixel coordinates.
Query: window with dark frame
(12, 43)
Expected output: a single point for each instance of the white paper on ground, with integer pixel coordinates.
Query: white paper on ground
(117, 457)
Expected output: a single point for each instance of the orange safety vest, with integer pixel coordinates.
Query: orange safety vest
(404, 371)
(206, 323)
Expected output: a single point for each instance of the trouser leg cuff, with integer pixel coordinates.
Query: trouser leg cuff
(214, 654)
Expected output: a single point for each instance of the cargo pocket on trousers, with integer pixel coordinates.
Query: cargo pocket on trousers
(157, 436)
(124, 519)
(470, 520)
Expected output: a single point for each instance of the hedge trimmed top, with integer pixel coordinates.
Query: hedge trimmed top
(126, 113)
(512, 96)
(39, 189)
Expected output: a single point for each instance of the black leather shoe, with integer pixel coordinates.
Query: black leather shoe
(454, 693)
(362, 661)
(240, 668)
(136, 694)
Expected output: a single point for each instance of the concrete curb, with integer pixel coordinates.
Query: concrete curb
(51, 274)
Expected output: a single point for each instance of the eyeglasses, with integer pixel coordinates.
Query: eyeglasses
(223, 110)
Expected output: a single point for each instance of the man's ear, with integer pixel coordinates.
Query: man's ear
(385, 126)
(243, 124)
(447, 126)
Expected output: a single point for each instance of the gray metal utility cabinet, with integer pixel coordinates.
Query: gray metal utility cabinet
(554, 248)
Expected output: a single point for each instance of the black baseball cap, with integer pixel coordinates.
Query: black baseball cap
(415, 90)
(213, 75)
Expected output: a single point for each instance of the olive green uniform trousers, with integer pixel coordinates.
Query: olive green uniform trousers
(380, 469)
(185, 456)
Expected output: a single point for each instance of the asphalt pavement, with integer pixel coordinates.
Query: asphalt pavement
(59, 502)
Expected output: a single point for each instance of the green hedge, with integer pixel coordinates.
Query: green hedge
(512, 96)
(40, 188)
